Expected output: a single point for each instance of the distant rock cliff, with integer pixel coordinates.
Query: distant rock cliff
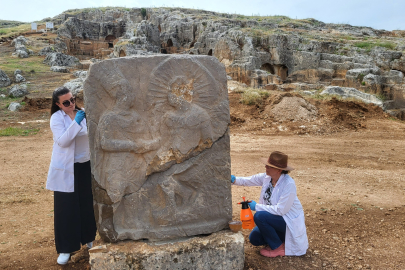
(267, 52)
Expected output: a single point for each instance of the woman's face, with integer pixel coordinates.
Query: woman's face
(66, 99)
(273, 172)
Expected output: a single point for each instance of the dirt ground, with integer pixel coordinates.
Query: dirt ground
(351, 185)
(349, 173)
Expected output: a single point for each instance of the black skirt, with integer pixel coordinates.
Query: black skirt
(74, 215)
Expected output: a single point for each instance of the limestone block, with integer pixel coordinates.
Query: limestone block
(223, 250)
(348, 92)
(159, 141)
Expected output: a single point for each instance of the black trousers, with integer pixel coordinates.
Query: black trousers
(74, 214)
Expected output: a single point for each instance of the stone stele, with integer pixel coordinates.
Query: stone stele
(159, 142)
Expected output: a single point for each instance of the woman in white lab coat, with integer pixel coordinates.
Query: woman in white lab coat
(279, 218)
(69, 176)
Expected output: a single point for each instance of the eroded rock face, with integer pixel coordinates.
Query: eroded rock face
(159, 140)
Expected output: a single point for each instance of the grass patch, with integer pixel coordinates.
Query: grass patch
(369, 45)
(13, 131)
(13, 30)
(10, 64)
(252, 96)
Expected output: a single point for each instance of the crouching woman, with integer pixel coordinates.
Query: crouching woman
(279, 218)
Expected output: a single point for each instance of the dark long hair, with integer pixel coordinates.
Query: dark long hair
(55, 98)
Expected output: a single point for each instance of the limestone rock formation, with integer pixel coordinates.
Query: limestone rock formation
(60, 59)
(275, 53)
(348, 92)
(4, 79)
(159, 140)
(59, 69)
(20, 49)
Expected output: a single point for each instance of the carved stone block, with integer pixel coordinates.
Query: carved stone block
(159, 141)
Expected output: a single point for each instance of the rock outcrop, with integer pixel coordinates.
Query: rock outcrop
(156, 124)
(60, 59)
(264, 52)
(20, 48)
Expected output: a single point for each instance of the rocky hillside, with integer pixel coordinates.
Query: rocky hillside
(275, 53)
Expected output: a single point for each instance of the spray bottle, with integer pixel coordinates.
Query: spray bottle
(246, 215)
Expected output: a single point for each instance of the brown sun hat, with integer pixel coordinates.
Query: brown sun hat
(277, 160)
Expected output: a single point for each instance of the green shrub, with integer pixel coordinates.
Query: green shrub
(143, 12)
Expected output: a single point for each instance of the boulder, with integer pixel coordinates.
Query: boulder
(348, 92)
(21, 53)
(46, 50)
(14, 106)
(75, 86)
(19, 78)
(18, 90)
(59, 69)
(80, 73)
(60, 59)
(20, 49)
(159, 142)
(4, 79)
(19, 41)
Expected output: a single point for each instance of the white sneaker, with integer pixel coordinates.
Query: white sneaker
(90, 244)
(63, 258)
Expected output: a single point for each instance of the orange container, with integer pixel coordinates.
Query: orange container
(246, 215)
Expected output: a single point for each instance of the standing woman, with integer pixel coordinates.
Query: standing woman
(279, 218)
(69, 176)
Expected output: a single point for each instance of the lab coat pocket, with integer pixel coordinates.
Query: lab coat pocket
(58, 160)
(298, 225)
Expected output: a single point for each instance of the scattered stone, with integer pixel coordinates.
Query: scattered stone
(348, 92)
(18, 90)
(221, 250)
(4, 79)
(19, 78)
(17, 71)
(152, 130)
(60, 69)
(2, 96)
(60, 59)
(14, 106)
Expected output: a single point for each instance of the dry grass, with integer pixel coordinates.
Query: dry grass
(252, 96)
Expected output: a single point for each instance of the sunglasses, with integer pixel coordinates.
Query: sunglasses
(67, 103)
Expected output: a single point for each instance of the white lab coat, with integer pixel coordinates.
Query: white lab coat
(285, 203)
(61, 172)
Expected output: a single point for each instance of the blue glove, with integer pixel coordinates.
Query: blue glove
(233, 178)
(252, 205)
(80, 116)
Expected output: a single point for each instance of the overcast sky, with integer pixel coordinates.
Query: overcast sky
(386, 14)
